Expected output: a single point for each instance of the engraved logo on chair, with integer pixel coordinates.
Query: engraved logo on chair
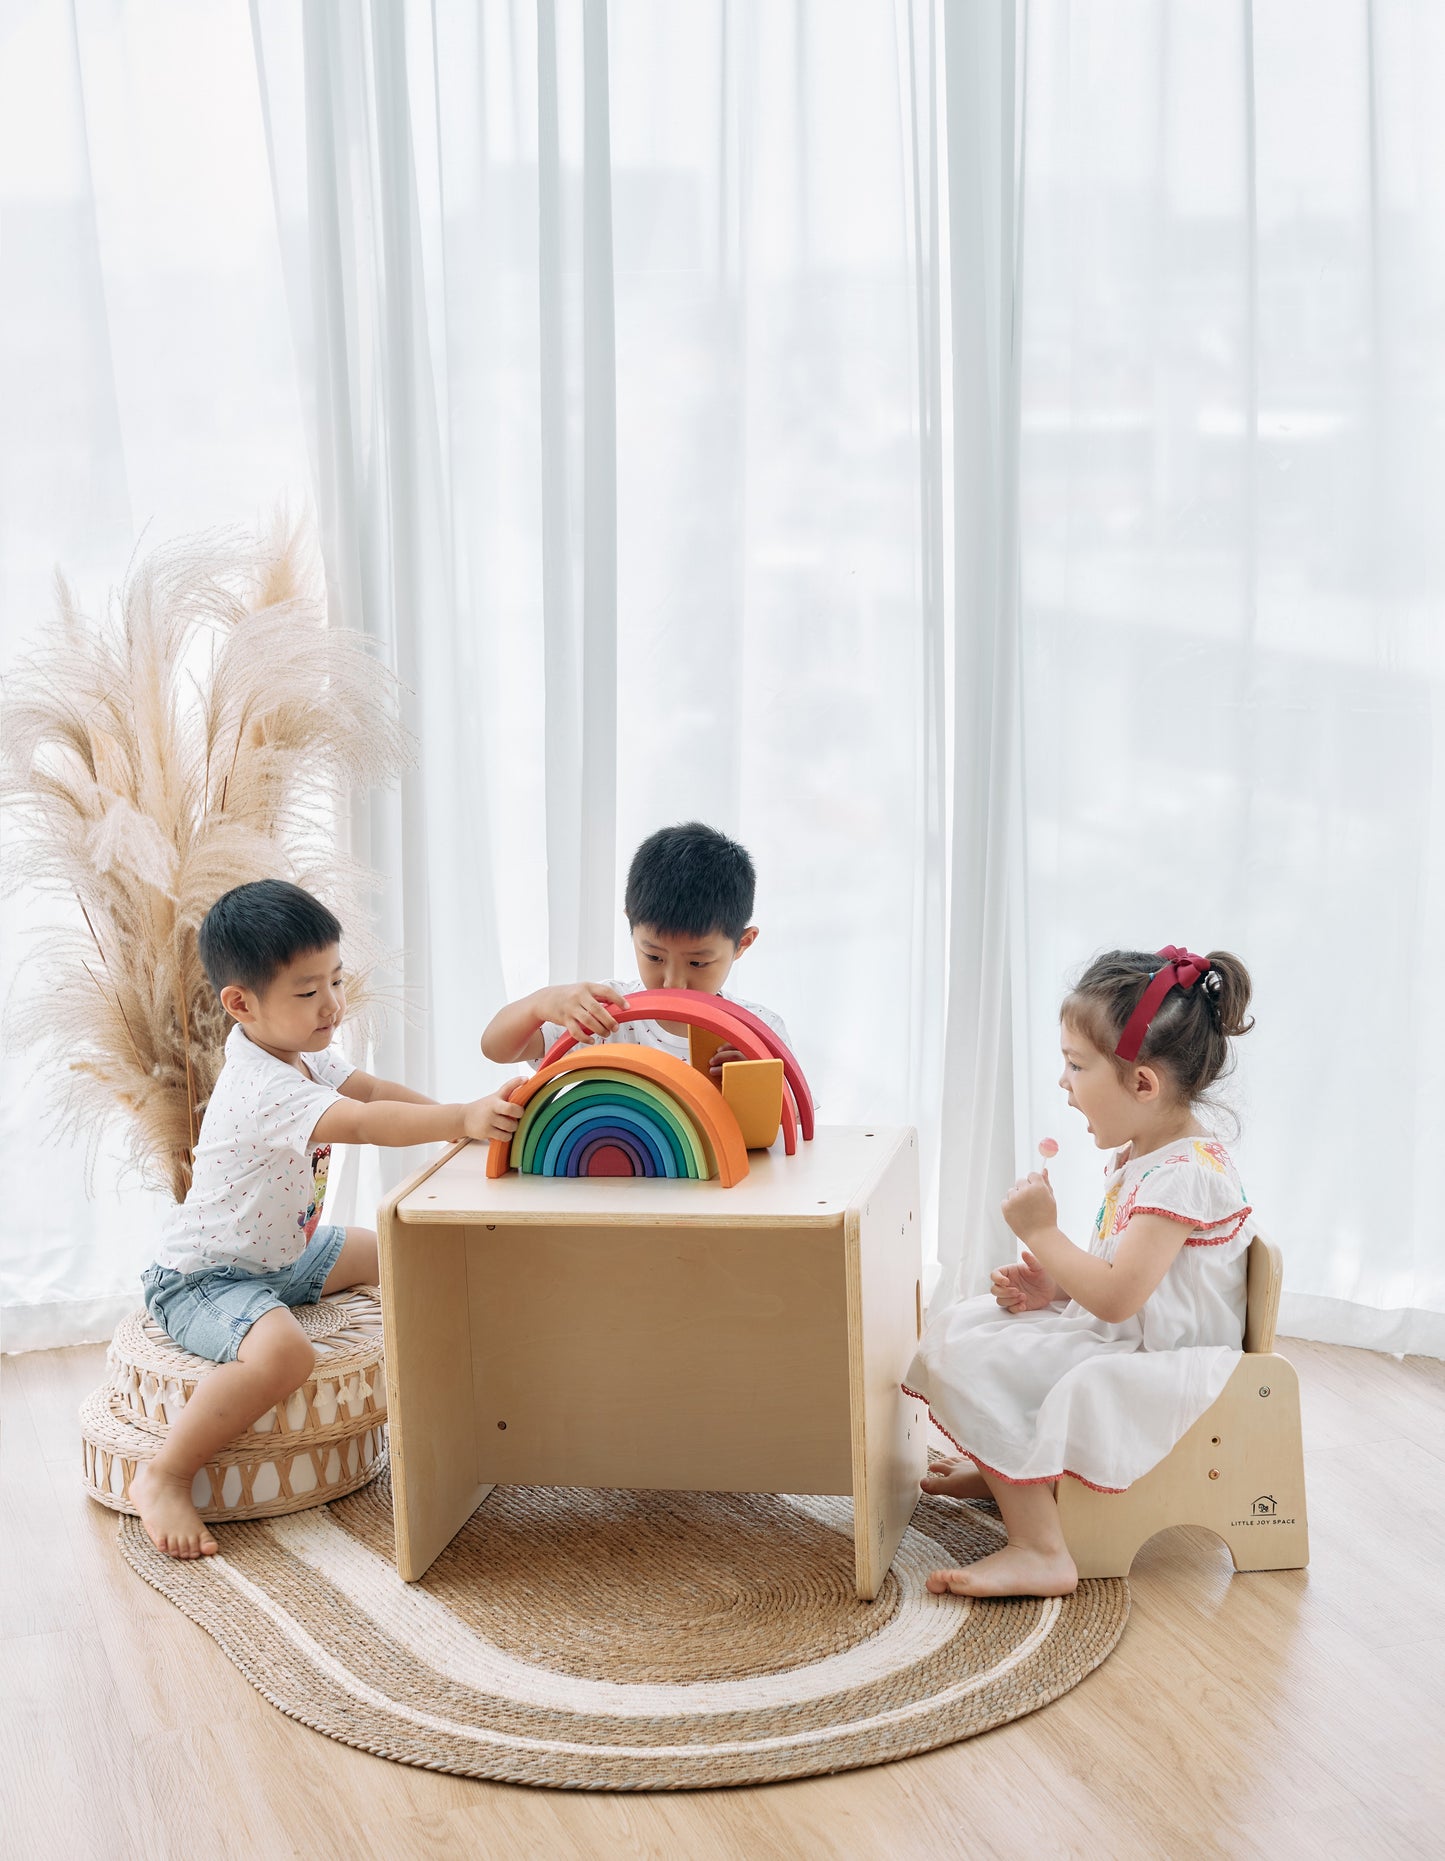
(1264, 1506)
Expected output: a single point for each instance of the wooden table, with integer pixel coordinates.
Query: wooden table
(657, 1334)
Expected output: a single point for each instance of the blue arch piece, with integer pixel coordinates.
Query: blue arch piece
(560, 1157)
(571, 1139)
(611, 1130)
(658, 1154)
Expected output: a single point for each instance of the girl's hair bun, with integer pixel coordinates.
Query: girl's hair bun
(1229, 992)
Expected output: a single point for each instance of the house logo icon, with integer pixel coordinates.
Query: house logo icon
(1263, 1507)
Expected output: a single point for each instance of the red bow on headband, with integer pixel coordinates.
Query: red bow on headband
(1182, 969)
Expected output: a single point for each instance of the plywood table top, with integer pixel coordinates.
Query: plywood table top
(813, 1188)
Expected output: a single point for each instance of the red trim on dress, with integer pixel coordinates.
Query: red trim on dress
(1213, 1240)
(1044, 1479)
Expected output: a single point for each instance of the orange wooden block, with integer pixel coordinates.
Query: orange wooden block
(754, 1090)
(701, 1046)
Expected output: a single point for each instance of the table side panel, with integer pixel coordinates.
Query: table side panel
(431, 1409)
(885, 1266)
(668, 1358)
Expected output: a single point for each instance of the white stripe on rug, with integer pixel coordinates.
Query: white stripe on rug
(921, 1626)
(219, 1568)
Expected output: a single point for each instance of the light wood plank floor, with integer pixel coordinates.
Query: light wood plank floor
(1288, 1714)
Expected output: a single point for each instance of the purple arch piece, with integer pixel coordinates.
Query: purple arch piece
(606, 1160)
(581, 1159)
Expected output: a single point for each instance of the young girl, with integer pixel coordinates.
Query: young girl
(1098, 1362)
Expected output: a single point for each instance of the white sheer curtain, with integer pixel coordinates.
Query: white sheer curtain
(1233, 460)
(146, 386)
(645, 279)
(982, 460)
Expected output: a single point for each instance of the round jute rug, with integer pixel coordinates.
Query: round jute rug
(603, 1640)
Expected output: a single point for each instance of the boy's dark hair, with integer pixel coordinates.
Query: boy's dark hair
(1190, 1034)
(691, 881)
(253, 931)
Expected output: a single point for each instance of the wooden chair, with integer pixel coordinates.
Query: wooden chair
(1238, 1472)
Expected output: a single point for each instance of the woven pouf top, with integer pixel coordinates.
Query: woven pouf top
(153, 1378)
(631, 1641)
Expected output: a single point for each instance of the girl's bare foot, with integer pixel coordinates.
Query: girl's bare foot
(958, 1479)
(1017, 1570)
(171, 1521)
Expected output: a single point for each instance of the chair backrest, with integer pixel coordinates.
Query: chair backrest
(1266, 1276)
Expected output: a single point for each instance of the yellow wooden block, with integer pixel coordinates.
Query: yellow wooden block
(753, 1089)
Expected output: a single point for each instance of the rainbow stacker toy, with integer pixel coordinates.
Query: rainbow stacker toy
(621, 1110)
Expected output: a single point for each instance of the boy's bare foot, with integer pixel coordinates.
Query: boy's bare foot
(1017, 1570)
(171, 1520)
(957, 1479)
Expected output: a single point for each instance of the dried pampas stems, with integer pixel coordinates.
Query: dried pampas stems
(203, 734)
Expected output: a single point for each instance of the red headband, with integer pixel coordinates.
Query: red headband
(1182, 969)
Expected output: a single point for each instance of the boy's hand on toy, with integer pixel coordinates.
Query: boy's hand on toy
(1029, 1205)
(582, 1008)
(486, 1120)
(719, 1060)
(1025, 1288)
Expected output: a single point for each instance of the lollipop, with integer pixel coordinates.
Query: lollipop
(1048, 1148)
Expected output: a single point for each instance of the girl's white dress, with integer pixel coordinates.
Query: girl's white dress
(1033, 1395)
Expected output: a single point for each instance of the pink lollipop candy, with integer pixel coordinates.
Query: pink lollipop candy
(1048, 1147)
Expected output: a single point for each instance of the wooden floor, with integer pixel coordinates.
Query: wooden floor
(1293, 1713)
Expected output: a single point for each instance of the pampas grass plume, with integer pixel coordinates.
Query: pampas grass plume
(204, 733)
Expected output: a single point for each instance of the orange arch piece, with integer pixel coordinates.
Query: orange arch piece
(697, 1095)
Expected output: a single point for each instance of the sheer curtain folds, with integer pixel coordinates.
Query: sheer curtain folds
(147, 389)
(1231, 457)
(668, 314)
(983, 456)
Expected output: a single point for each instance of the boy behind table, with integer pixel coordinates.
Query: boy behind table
(245, 1245)
(688, 901)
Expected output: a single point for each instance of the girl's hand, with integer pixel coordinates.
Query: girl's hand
(582, 1008)
(486, 1120)
(1026, 1288)
(1030, 1205)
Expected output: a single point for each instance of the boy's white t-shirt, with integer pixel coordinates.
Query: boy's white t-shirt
(651, 1034)
(257, 1184)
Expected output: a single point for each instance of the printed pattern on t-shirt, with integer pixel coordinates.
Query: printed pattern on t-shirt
(257, 1183)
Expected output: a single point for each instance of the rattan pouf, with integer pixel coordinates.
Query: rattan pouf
(326, 1441)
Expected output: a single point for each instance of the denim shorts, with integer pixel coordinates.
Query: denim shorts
(209, 1312)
